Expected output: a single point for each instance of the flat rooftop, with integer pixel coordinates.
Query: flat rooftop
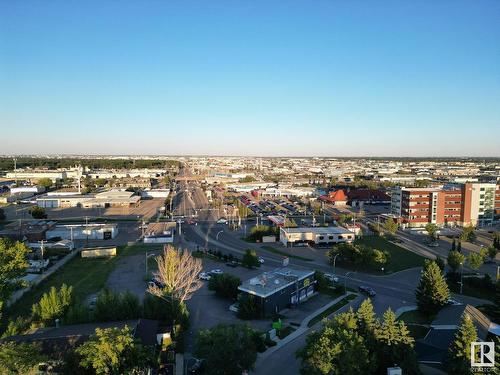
(317, 230)
(269, 283)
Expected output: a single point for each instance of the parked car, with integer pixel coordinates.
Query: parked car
(367, 290)
(222, 221)
(261, 260)
(204, 276)
(332, 278)
(216, 272)
(232, 264)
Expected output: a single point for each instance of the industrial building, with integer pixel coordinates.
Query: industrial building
(91, 231)
(279, 289)
(453, 205)
(317, 236)
(112, 198)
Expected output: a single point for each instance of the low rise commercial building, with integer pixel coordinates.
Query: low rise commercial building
(91, 231)
(159, 232)
(279, 289)
(112, 198)
(318, 236)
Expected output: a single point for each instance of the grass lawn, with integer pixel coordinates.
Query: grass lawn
(284, 253)
(400, 259)
(418, 324)
(87, 276)
(416, 317)
(344, 301)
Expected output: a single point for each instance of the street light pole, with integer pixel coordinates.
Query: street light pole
(147, 257)
(334, 260)
(461, 277)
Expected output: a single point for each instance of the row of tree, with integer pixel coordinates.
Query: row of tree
(359, 254)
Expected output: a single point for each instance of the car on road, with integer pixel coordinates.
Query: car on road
(367, 290)
(216, 272)
(453, 302)
(222, 221)
(232, 264)
(433, 244)
(204, 276)
(261, 260)
(332, 278)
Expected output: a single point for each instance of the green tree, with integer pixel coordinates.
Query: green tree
(225, 285)
(113, 351)
(440, 262)
(367, 327)
(455, 260)
(459, 353)
(432, 291)
(227, 349)
(459, 246)
(492, 252)
(468, 234)
(54, 304)
(45, 182)
(380, 258)
(165, 310)
(38, 212)
(19, 358)
(13, 265)
(248, 307)
(475, 260)
(391, 226)
(431, 230)
(116, 306)
(250, 259)
(338, 349)
(395, 344)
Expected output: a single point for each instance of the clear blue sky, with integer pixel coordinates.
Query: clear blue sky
(327, 78)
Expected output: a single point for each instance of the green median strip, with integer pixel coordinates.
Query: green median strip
(285, 253)
(344, 301)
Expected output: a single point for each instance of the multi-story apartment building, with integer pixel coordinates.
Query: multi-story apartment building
(463, 204)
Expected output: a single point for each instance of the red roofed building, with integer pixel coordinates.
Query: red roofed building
(337, 198)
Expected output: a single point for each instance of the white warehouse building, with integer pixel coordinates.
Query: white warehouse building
(83, 231)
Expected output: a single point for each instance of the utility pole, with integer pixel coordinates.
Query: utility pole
(15, 170)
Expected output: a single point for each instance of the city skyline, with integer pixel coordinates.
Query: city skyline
(392, 79)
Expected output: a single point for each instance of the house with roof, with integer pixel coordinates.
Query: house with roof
(433, 349)
(336, 198)
(58, 341)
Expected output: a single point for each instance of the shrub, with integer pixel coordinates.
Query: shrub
(248, 307)
(225, 286)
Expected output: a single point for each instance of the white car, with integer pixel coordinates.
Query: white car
(216, 272)
(222, 221)
(261, 260)
(204, 276)
(453, 302)
(332, 278)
